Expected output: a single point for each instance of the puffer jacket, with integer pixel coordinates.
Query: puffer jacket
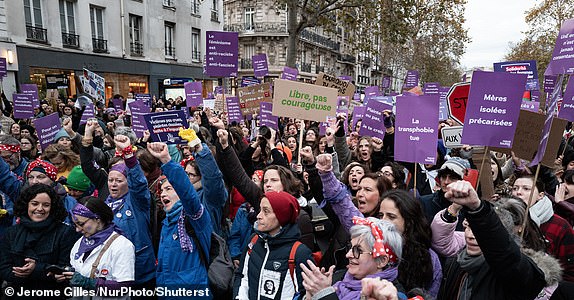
(507, 272)
(134, 220)
(264, 273)
(177, 268)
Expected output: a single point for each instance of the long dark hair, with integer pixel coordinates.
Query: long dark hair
(98, 207)
(57, 209)
(416, 268)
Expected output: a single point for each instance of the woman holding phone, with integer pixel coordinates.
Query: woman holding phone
(39, 240)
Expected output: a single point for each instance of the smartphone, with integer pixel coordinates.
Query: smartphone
(58, 270)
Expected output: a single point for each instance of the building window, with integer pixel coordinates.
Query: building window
(97, 23)
(169, 3)
(136, 45)
(215, 11)
(169, 32)
(250, 18)
(67, 24)
(33, 15)
(195, 7)
(195, 47)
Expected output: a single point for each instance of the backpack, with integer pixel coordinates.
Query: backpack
(291, 262)
(219, 266)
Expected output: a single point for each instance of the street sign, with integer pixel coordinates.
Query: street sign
(457, 99)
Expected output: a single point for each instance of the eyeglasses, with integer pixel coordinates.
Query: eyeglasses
(7, 157)
(81, 224)
(357, 251)
(387, 173)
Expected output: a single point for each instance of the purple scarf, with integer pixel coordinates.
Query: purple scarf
(87, 244)
(350, 288)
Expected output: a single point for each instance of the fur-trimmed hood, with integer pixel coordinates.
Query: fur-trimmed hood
(549, 265)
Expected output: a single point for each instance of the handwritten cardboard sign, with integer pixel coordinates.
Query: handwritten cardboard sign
(344, 87)
(250, 97)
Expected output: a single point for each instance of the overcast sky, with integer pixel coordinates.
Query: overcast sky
(491, 25)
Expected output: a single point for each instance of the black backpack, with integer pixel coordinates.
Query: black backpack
(219, 266)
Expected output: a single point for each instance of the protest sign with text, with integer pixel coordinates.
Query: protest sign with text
(373, 119)
(493, 108)
(221, 53)
(562, 61)
(139, 109)
(452, 136)
(266, 116)
(415, 129)
(303, 101)
(567, 108)
(46, 128)
(23, 106)
(344, 87)
(251, 96)
(260, 67)
(193, 93)
(164, 126)
(527, 67)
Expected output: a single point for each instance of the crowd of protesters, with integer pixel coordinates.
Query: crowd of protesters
(305, 215)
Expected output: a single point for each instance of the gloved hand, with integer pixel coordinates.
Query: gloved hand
(190, 136)
(83, 281)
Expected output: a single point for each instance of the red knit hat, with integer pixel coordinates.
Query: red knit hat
(285, 207)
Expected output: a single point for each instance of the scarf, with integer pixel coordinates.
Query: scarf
(88, 244)
(541, 211)
(350, 288)
(116, 204)
(33, 233)
(177, 214)
(471, 265)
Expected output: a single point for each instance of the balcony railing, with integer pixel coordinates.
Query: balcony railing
(169, 51)
(136, 49)
(348, 58)
(70, 40)
(319, 69)
(306, 67)
(214, 15)
(319, 39)
(196, 55)
(195, 8)
(37, 34)
(246, 63)
(100, 45)
(262, 27)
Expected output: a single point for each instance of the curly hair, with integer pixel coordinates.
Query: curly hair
(57, 209)
(69, 157)
(291, 184)
(416, 268)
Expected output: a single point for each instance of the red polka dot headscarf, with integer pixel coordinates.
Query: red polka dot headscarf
(42, 166)
(379, 248)
(11, 148)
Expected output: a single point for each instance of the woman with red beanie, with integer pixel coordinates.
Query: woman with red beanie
(264, 271)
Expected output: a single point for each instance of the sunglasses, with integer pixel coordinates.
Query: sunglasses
(357, 251)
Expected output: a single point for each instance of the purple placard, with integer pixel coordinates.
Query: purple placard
(431, 88)
(260, 67)
(164, 126)
(358, 114)
(415, 129)
(535, 96)
(249, 81)
(562, 61)
(386, 83)
(146, 98)
(266, 117)
(411, 79)
(193, 93)
(233, 109)
(46, 128)
(493, 108)
(567, 108)
(139, 109)
(23, 107)
(222, 53)
(372, 91)
(385, 99)
(552, 104)
(217, 91)
(530, 105)
(346, 78)
(527, 67)
(118, 104)
(549, 83)
(289, 73)
(373, 119)
(31, 89)
(3, 68)
(442, 106)
(88, 113)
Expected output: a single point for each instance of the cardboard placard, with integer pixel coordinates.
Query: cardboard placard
(344, 88)
(250, 97)
(303, 101)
